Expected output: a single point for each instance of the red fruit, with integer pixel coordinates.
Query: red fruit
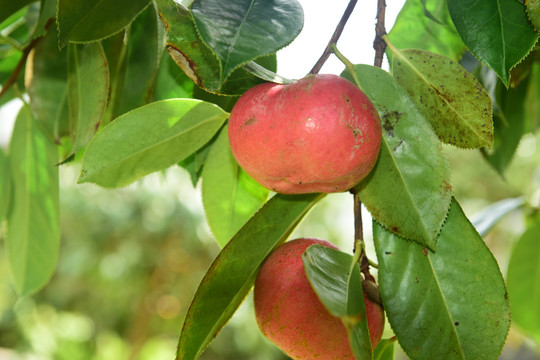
(290, 314)
(318, 134)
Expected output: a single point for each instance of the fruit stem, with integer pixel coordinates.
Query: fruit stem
(335, 37)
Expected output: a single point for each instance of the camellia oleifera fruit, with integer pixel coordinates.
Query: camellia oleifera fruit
(290, 314)
(318, 134)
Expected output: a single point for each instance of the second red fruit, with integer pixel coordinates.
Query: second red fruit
(290, 314)
(318, 134)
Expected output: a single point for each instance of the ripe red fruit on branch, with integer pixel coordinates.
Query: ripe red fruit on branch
(290, 314)
(318, 134)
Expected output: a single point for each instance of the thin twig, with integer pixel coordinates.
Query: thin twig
(22, 61)
(335, 37)
(378, 44)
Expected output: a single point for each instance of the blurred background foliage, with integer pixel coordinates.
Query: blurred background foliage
(131, 260)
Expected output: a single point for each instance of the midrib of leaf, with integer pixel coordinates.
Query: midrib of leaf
(454, 331)
(503, 45)
(419, 215)
(237, 35)
(438, 93)
(157, 144)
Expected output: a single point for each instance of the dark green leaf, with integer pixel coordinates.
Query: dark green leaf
(91, 20)
(146, 42)
(46, 83)
(524, 281)
(413, 30)
(242, 30)
(230, 196)
(33, 235)
(147, 139)
(5, 184)
(233, 272)
(196, 59)
(336, 279)
(47, 15)
(509, 125)
(485, 219)
(452, 99)
(451, 304)
(9, 7)
(385, 350)
(409, 189)
(496, 31)
(88, 88)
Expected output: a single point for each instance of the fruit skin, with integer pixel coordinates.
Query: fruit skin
(318, 134)
(290, 314)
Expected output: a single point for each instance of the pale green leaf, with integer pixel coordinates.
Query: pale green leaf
(150, 138)
(5, 184)
(523, 278)
(33, 235)
(230, 196)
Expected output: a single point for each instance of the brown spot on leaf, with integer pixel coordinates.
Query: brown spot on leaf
(185, 63)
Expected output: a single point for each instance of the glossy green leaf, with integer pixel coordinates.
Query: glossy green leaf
(145, 45)
(91, 20)
(496, 31)
(87, 91)
(46, 83)
(451, 304)
(230, 196)
(33, 235)
(485, 219)
(242, 30)
(414, 30)
(5, 184)
(385, 350)
(409, 189)
(9, 7)
(233, 272)
(452, 99)
(197, 60)
(523, 279)
(336, 279)
(147, 139)
(509, 121)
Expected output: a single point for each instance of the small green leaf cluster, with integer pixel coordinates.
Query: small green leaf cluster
(126, 88)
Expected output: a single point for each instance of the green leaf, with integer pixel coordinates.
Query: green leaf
(409, 189)
(47, 15)
(451, 304)
(533, 12)
(485, 219)
(509, 125)
(196, 59)
(147, 139)
(171, 81)
(33, 235)
(335, 278)
(88, 89)
(523, 279)
(9, 7)
(233, 272)
(496, 31)
(230, 196)
(46, 83)
(385, 350)
(146, 42)
(532, 105)
(5, 185)
(414, 30)
(91, 20)
(242, 30)
(452, 99)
